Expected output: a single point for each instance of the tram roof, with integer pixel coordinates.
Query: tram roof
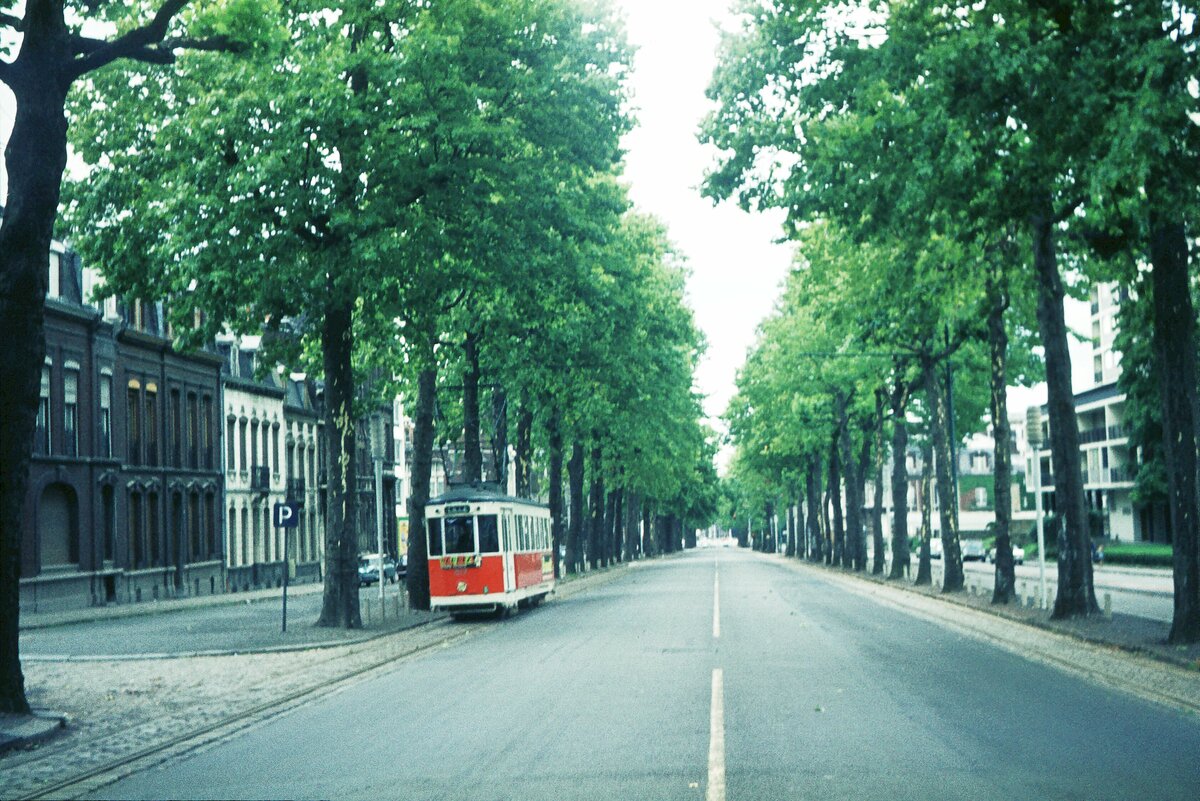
(478, 494)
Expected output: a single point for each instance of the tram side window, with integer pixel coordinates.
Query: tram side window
(489, 534)
(460, 534)
(435, 536)
(507, 529)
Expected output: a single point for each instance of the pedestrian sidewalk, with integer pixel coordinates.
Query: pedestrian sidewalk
(1128, 633)
(22, 731)
(41, 620)
(251, 622)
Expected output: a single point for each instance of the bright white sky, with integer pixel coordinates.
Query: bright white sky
(736, 268)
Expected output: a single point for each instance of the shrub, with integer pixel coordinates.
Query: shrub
(1145, 554)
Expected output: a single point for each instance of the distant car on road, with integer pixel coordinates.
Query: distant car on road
(368, 569)
(973, 551)
(1018, 555)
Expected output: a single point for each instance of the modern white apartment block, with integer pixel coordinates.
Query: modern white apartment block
(1110, 463)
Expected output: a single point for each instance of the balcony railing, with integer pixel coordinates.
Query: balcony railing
(1119, 431)
(1122, 473)
(260, 479)
(1092, 435)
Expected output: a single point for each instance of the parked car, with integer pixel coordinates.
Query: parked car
(368, 569)
(1018, 555)
(972, 551)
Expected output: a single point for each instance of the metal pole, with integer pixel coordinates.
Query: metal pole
(1037, 501)
(286, 570)
(378, 448)
(1033, 433)
(950, 425)
(379, 518)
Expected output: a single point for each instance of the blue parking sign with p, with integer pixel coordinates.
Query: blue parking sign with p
(286, 515)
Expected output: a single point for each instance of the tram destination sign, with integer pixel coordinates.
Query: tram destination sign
(458, 509)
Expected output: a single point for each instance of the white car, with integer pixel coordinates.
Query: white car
(1018, 555)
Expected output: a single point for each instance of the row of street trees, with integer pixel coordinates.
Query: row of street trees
(386, 187)
(937, 163)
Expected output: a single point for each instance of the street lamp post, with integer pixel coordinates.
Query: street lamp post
(1033, 433)
(378, 448)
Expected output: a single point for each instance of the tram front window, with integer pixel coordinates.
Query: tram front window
(460, 535)
(489, 534)
(435, 537)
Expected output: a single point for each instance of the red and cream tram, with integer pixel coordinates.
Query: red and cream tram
(488, 552)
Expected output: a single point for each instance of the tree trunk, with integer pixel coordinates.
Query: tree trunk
(1076, 596)
(339, 605)
(812, 484)
(900, 554)
(837, 552)
(860, 492)
(790, 548)
(924, 568)
(524, 457)
(575, 524)
(769, 536)
(472, 452)
(556, 494)
(877, 509)
(35, 158)
(1175, 349)
(632, 506)
(417, 579)
(948, 504)
(850, 482)
(500, 440)
(1004, 589)
(616, 524)
(648, 518)
(596, 508)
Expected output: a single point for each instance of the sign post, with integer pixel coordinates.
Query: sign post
(286, 516)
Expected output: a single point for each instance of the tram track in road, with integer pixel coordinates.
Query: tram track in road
(108, 769)
(92, 779)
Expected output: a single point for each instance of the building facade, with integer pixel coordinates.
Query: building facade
(123, 503)
(307, 473)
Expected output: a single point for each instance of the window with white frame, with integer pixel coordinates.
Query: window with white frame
(42, 440)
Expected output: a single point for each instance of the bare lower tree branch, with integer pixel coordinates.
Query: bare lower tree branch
(9, 20)
(84, 45)
(149, 43)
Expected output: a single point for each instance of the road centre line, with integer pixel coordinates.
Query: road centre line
(716, 605)
(716, 740)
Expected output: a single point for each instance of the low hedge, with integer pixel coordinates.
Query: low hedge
(1141, 554)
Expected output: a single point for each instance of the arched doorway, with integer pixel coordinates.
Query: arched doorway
(58, 526)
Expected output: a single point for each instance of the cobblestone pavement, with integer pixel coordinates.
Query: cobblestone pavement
(118, 708)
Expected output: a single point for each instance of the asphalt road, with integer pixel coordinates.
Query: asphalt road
(719, 674)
